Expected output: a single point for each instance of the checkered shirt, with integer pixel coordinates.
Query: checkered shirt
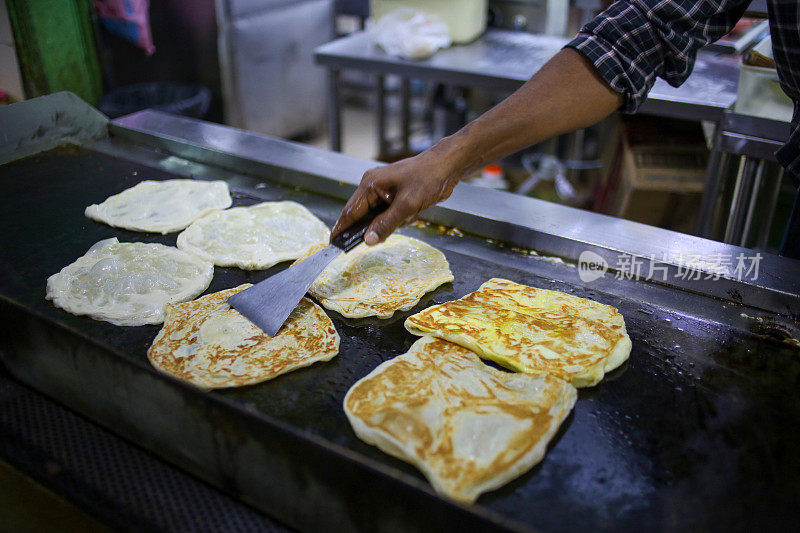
(633, 41)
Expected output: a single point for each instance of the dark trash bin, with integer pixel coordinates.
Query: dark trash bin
(185, 99)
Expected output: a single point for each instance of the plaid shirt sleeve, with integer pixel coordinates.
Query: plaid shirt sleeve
(784, 23)
(633, 41)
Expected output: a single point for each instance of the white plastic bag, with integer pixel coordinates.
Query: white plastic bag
(410, 34)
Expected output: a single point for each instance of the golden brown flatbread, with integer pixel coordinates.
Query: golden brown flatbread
(468, 427)
(379, 280)
(532, 330)
(211, 345)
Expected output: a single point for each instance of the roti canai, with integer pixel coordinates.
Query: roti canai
(255, 237)
(161, 206)
(128, 283)
(211, 345)
(379, 280)
(468, 427)
(532, 330)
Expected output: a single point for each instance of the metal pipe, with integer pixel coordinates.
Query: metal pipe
(405, 113)
(751, 209)
(708, 205)
(733, 213)
(763, 234)
(334, 111)
(380, 107)
(575, 142)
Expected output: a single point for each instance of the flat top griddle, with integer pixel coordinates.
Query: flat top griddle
(698, 429)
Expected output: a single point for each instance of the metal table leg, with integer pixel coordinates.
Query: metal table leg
(741, 191)
(717, 163)
(405, 113)
(334, 111)
(381, 111)
(575, 142)
(751, 209)
(763, 235)
(790, 247)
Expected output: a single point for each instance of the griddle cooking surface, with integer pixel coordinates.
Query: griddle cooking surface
(698, 429)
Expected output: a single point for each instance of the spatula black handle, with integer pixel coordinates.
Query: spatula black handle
(354, 235)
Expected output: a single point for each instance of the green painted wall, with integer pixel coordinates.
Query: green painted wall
(55, 46)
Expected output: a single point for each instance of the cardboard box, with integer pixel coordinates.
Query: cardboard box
(654, 171)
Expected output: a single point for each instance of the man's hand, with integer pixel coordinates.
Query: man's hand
(408, 186)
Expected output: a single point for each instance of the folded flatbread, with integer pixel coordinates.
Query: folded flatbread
(532, 330)
(468, 427)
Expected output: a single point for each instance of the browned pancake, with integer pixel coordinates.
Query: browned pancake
(468, 427)
(211, 345)
(379, 280)
(532, 330)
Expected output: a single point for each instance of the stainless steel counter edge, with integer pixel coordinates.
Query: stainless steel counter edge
(522, 221)
(32, 126)
(752, 136)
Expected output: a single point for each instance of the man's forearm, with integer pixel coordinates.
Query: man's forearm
(565, 95)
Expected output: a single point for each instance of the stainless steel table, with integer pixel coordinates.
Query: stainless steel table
(504, 60)
(754, 141)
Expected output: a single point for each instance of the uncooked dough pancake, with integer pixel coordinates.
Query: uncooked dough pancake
(211, 345)
(161, 206)
(468, 427)
(255, 237)
(532, 330)
(128, 283)
(379, 280)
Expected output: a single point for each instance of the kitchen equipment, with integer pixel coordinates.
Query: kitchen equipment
(691, 433)
(269, 81)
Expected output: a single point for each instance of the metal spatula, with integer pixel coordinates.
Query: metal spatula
(267, 304)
